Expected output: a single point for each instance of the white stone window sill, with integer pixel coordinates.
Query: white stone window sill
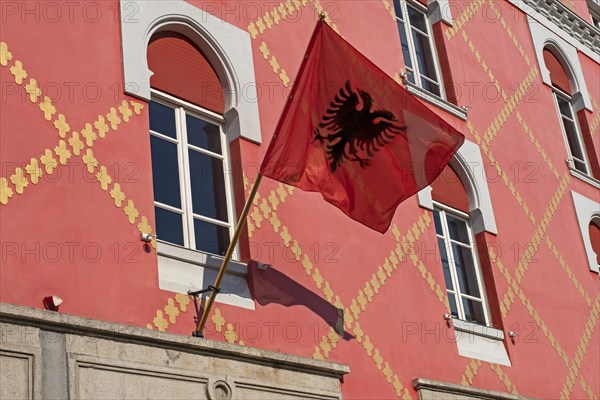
(436, 101)
(586, 178)
(181, 270)
(480, 342)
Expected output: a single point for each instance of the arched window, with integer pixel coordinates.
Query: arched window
(460, 262)
(562, 90)
(190, 153)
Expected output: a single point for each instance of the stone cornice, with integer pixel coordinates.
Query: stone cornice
(564, 18)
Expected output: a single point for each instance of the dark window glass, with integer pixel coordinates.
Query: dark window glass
(424, 56)
(169, 226)
(162, 119)
(208, 186)
(438, 222)
(203, 134)
(211, 238)
(565, 108)
(458, 230)
(445, 265)
(573, 139)
(404, 43)
(465, 270)
(417, 19)
(398, 9)
(473, 311)
(430, 87)
(453, 306)
(165, 172)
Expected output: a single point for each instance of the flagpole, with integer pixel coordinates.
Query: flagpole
(234, 240)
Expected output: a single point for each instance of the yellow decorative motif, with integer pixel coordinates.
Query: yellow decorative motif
(5, 191)
(144, 226)
(218, 320)
(113, 118)
(101, 126)
(183, 300)
(48, 161)
(62, 126)
(105, 180)
(34, 171)
(62, 152)
(19, 180)
(76, 143)
(33, 90)
(125, 111)
(90, 161)
(89, 135)
(117, 195)
(5, 55)
(18, 72)
(160, 322)
(230, 334)
(47, 108)
(171, 311)
(137, 107)
(131, 212)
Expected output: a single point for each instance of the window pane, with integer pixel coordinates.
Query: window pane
(162, 119)
(445, 265)
(424, 56)
(473, 311)
(573, 139)
(398, 9)
(430, 87)
(580, 166)
(417, 19)
(565, 108)
(208, 186)
(169, 226)
(211, 238)
(458, 230)
(404, 43)
(165, 172)
(453, 306)
(203, 134)
(465, 271)
(438, 222)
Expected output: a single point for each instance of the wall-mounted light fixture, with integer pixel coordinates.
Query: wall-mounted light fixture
(51, 303)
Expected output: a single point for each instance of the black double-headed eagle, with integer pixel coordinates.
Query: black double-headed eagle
(349, 125)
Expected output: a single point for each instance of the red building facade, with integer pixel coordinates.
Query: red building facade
(120, 119)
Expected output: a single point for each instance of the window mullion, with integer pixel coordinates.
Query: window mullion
(187, 181)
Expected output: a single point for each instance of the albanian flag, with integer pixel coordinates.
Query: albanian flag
(352, 133)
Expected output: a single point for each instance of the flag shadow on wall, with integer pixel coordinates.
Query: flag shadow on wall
(270, 286)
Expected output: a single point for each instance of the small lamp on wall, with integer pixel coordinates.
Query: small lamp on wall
(51, 303)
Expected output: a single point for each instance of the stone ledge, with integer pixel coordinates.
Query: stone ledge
(459, 392)
(71, 324)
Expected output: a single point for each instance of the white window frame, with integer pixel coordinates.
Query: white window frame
(557, 93)
(404, 4)
(182, 108)
(444, 209)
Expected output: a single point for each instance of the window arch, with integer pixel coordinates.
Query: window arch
(588, 218)
(456, 241)
(227, 47)
(192, 193)
(563, 86)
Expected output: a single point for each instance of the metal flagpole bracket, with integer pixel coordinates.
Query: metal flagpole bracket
(210, 288)
(195, 295)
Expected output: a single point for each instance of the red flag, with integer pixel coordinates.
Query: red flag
(352, 133)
